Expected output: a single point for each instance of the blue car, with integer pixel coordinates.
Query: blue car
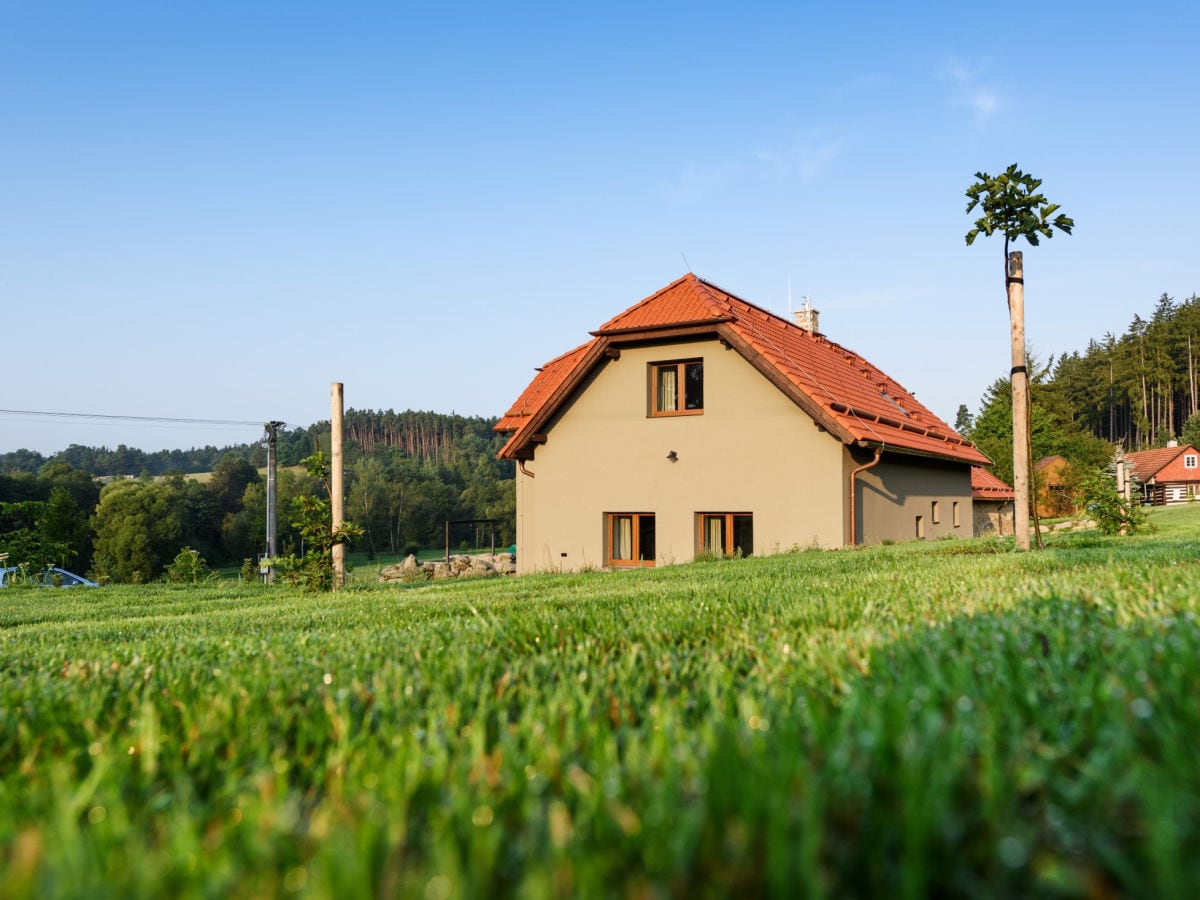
(49, 577)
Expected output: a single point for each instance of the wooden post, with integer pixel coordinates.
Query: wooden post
(336, 490)
(1015, 283)
(272, 496)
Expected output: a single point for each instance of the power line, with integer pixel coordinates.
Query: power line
(115, 418)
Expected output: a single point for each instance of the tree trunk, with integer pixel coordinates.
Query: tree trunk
(1015, 283)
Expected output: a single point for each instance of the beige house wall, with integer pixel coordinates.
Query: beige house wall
(751, 451)
(892, 495)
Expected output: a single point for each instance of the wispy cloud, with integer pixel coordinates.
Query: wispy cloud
(972, 90)
(697, 182)
(807, 156)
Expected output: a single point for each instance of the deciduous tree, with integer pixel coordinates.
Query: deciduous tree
(1012, 205)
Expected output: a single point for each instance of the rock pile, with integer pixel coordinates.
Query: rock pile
(1073, 525)
(458, 567)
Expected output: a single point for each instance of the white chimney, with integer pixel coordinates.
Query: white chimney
(806, 317)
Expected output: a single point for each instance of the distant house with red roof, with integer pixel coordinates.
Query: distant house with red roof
(1167, 475)
(697, 423)
(992, 503)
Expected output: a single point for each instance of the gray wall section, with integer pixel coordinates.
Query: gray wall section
(892, 495)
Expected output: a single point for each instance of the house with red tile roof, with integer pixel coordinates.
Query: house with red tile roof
(992, 503)
(696, 423)
(1167, 475)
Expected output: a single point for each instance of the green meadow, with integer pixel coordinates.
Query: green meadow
(943, 718)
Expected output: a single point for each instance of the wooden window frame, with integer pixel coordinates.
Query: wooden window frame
(680, 367)
(729, 549)
(635, 562)
(1190, 461)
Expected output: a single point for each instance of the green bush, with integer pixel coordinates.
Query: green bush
(1112, 513)
(188, 567)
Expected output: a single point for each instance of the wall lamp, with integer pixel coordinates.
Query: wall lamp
(673, 456)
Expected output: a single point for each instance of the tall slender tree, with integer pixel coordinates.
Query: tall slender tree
(1013, 206)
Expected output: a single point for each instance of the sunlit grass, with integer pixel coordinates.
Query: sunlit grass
(946, 717)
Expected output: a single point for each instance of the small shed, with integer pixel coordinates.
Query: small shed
(993, 503)
(1055, 496)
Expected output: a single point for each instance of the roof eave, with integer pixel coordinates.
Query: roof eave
(927, 454)
(682, 329)
(520, 442)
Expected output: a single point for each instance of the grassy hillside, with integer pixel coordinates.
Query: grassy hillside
(935, 718)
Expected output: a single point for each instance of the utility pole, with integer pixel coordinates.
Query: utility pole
(272, 498)
(336, 490)
(1015, 284)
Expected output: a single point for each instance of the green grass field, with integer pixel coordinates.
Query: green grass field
(928, 719)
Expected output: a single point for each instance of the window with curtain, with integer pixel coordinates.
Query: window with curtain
(631, 539)
(726, 534)
(677, 388)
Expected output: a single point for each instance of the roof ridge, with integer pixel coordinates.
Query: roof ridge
(718, 304)
(752, 305)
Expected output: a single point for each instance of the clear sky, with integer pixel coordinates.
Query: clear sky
(213, 210)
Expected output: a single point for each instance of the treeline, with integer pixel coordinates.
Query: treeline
(1129, 393)
(424, 436)
(432, 468)
(1137, 390)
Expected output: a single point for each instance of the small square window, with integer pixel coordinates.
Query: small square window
(1189, 460)
(677, 388)
(631, 539)
(725, 534)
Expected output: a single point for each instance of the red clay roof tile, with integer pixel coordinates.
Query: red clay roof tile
(1148, 463)
(548, 379)
(986, 486)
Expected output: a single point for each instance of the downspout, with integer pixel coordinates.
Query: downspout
(853, 510)
(524, 471)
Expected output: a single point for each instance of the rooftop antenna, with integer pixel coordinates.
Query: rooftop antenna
(686, 264)
(789, 296)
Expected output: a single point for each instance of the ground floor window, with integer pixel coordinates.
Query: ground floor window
(725, 534)
(631, 539)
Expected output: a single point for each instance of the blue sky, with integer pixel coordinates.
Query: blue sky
(214, 210)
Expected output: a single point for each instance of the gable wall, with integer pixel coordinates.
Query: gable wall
(1176, 471)
(751, 451)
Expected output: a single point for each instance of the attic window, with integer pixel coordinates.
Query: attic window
(677, 388)
(892, 400)
(1189, 460)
